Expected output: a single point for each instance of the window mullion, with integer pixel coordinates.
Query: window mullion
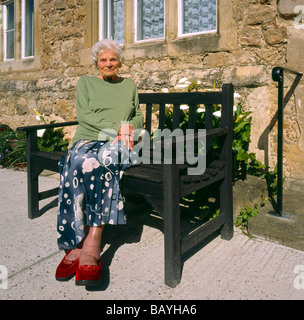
(139, 19)
(109, 19)
(109, 27)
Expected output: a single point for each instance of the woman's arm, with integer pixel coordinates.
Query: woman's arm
(126, 132)
(137, 120)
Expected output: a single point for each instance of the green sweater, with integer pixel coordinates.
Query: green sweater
(104, 105)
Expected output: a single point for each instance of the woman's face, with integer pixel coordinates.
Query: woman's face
(108, 64)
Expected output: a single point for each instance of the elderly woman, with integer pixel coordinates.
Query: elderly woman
(89, 195)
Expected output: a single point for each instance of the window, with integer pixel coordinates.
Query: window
(27, 34)
(197, 16)
(158, 27)
(150, 19)
(111, 20)
(9, 30)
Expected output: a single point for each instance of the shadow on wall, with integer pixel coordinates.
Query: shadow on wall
(264, 138)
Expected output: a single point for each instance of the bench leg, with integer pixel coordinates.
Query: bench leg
(33, 172)
(226, 204)
(172, 235)
(32, 192)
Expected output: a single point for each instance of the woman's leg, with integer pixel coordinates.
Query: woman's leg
(89, 248)
(90, 252)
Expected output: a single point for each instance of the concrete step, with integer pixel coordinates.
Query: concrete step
(288, 232)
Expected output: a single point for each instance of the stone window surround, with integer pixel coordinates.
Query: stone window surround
(172, 44)
(18, 63)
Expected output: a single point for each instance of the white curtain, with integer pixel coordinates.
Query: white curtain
(118, 21)
(151, 19)
(199, 15)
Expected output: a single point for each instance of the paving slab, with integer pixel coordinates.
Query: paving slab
(242, 268)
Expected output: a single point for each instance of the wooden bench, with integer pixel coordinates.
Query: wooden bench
(162, 185)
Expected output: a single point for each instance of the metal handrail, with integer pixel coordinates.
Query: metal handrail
(278, 76)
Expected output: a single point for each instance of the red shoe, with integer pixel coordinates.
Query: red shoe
(88, 275)
(66, 268)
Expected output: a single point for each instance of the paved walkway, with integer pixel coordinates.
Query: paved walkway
(242, 268)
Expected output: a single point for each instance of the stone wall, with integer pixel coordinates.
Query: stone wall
(254, 37)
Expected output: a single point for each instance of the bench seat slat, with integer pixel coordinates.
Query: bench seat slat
(54, 155)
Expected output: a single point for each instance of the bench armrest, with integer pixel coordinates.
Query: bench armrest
(47, 126)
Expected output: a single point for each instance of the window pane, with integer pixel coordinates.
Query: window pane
(150, 19)
(111, 20)
(199, 16)
(10, 44)
(10, 31)
(29, 28)
(10, 16)
(117, 33)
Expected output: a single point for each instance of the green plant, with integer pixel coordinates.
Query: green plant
(50, 139)
(255, 167)
(18, 153)
(9, 155)
(4, 148)
(271, 178)
(4, 127)
(244, 216)
(241, 133)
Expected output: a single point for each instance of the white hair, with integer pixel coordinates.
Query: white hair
(107, 44)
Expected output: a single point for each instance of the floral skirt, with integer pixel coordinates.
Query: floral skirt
(89, 192)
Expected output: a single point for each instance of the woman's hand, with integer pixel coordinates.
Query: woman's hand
(126, 134)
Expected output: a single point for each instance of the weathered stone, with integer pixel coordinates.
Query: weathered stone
(217, 59)
(21, 106)
(261, 14)
(21, 85)
(62, 108)
(80, 12)
(295, 49)
(69, 83)
(286, 8)
(71, 3)
(60, 4)
(273, 35)
(151, 65)
(68, 16)
(299, 99)
(251, 36)
(243, 57)
(246, 76)
(46, 84)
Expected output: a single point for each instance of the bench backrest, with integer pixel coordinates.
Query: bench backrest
(192, 99)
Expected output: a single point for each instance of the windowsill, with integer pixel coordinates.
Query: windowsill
(196, 34)
(194, 43)
(25, 64)
(148, 42)
(28, 58)
(146, 49)
(195, 37)
(9, 60)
